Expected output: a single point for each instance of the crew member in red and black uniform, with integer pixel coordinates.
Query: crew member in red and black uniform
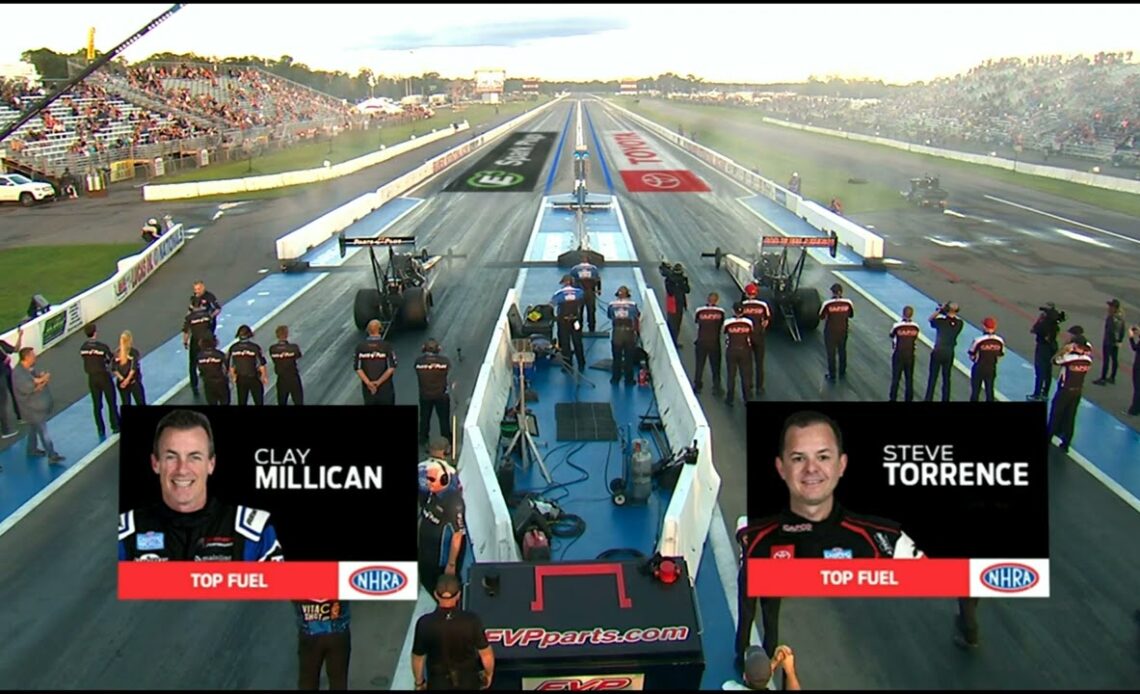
(738, 333)
(757, 311)
(985, 351)
(710, 323)
(247, 367)
(432, 371)
(206, 300)
(813, 525)
(195, 328)
(214, 367)
(375, 364)
(285, 355)
(97, 360)
(836, 312)
(1075, 361)
(903, 336)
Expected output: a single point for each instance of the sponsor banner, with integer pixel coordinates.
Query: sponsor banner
(887, 578)
(122, 170)
(585, 683)
(148, 263)
(635, 153)
(543, 639)
(442, 162)
(512, 166)
(397, 580)
(663, 181)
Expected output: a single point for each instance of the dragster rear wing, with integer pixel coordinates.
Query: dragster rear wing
(372, 241)
(830, 242)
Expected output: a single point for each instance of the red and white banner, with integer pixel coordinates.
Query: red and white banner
(898, 578)
(268, 580)
(646, 168)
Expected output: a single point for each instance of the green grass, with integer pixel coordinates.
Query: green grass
(348, 145)
(822, 181)
(57, 272)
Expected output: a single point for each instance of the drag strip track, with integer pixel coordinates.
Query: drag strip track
(1083, 637)
(61, 593)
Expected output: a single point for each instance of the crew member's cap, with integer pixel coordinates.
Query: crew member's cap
(678, 268)
(152, 220)
(1081, 340)
(757, 667)
(567, 279)
(738, 307)
(1076, 330)
(751, 289)
(953, 306)
(1115, 303)
(989, 323)
(438, 445)
(447, 587)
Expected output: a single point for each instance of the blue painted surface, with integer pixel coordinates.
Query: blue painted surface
(558, 153)
(556, 235)
(786, 221)
(1103, 439)
(72, 428)
(600, 150)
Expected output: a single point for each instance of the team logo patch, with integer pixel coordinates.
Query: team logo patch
(151, 541)
(884, 542)
(837, 553)
(783, 552)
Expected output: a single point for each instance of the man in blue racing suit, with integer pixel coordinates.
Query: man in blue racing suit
(188, 525)
(814, 525)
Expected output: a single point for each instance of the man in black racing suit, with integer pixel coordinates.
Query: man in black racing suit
(813, 526)
(187, 525)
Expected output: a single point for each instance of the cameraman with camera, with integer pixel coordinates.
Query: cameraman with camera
(1046, 328)
(676, 290)
(947, 326)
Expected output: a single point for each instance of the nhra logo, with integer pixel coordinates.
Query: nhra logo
(378, 580)
(1010, 577)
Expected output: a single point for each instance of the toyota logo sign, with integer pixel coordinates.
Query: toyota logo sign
(661, 181)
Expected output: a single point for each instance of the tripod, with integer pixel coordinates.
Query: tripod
(522, 354)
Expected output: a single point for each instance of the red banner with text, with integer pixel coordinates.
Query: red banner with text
(896, 578)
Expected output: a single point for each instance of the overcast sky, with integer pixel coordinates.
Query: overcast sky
(732, 43)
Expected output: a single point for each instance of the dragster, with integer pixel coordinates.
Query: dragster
(779, 284)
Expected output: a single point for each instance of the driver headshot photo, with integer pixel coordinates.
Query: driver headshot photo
(189, 524)
(813, 525)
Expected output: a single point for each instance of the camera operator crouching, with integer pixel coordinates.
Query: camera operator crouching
(676, 292)
(1046, 329)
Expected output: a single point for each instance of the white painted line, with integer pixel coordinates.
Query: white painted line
(1090, 227)
(952, 213)
(191, 232)
(948, 244)
(218, 215)
(1104, 479)
(263, 270)
(1082, 238)
(263, 293)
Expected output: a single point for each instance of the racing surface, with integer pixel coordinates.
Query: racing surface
(62, 597)
(991, 257)
(1084, 636)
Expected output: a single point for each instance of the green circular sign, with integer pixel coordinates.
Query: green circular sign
(495, 179)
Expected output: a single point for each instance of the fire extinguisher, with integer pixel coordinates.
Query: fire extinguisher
(643, 377)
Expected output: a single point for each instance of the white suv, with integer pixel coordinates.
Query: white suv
(17, 188)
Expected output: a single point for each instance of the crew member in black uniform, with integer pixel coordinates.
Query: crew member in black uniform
(625, 322)
(206, 299)
(432, 372)
(214, 367)
(1045, 330)
(443, 525)
(710, 322)
(738, 333)
(188, 524)
(7, 394)
(1110, 346)
(247, 367)
(324, 639)
(1075, 361)
(567, 302)
(903, 336)
(195, 328)
(375, 364)
(836, 312)
(450, 649)
(947, 327)
(128, 370)
(985, 351)
(757, 311)
(97, 360)
(1134, 343)
(285, 355)
(676, 298)
(813, 525)
(589, 280)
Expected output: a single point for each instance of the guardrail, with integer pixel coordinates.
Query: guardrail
(63, 319)
(1071, 175)
(194, 189)
(297, 243)
(867, 245)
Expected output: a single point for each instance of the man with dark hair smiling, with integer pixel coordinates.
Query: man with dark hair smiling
(813, 525)
(188, 524)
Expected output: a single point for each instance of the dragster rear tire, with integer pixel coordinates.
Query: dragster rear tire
(365, 307)
(415, 309)
(806, 303)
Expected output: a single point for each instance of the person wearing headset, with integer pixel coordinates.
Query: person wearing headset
(443, 528)
(432, 371)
